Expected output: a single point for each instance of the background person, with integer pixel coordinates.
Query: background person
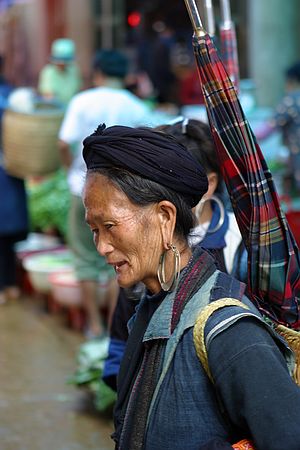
(13, 228)
(216, 228)
(109, 101)
(139, 193)
(286, 120)
(13, 210)
(60, 79)
(162, 74)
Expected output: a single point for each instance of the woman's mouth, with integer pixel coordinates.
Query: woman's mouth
(118, 266)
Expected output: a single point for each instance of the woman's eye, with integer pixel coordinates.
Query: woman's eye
(108, 225)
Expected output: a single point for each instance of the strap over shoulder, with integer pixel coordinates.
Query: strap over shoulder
(292, 338)
(287, 339)
(200, 346)
(199, 327)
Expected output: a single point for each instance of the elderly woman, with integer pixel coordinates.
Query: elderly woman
(140, 188)
(216, 229)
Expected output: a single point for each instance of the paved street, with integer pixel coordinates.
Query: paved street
(38, 410)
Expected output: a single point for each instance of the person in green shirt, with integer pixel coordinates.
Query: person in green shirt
(60, 79)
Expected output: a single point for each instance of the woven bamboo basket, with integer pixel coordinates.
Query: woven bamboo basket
(30, 142)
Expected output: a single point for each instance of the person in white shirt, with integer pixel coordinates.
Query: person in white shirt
(108, 101)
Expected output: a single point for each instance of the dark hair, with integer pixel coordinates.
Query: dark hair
(111, 62)
(143, 192)
(293, 72)
(196, 137)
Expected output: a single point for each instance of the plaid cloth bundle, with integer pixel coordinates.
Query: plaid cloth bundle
(273, 256)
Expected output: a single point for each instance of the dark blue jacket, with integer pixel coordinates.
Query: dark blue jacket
(253, 395)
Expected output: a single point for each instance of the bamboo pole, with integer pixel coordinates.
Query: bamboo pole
(194, 17)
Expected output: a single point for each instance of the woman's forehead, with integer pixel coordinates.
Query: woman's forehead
(95, 184)
(96, 177)
(100, 187)
(101, 195)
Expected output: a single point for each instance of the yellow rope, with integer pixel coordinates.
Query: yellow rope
(199, 338)
(292, 337)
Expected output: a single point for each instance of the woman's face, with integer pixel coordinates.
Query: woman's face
(127, 235)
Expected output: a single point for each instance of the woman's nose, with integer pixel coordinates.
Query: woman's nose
(104, 247)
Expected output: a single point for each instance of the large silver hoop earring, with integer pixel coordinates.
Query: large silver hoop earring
(199, 208)
(172, 283)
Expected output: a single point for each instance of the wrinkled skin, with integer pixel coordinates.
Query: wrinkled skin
(130, 237)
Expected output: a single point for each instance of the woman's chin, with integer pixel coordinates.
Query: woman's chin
(125, 282)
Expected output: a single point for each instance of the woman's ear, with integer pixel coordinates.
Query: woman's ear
(167, 220)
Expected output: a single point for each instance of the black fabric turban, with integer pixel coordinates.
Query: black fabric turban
(150, 154)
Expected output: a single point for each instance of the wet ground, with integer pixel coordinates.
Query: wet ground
(38, 409)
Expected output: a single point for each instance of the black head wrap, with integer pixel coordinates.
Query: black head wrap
(150, 154)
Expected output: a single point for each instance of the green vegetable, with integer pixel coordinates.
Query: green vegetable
(90, 362)
(49, 203)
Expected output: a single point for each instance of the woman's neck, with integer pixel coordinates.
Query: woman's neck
(206, 213)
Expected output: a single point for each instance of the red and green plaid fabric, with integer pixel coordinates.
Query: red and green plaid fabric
(229, 53)
(273, 256)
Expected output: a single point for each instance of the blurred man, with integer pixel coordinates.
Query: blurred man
(110, 103)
